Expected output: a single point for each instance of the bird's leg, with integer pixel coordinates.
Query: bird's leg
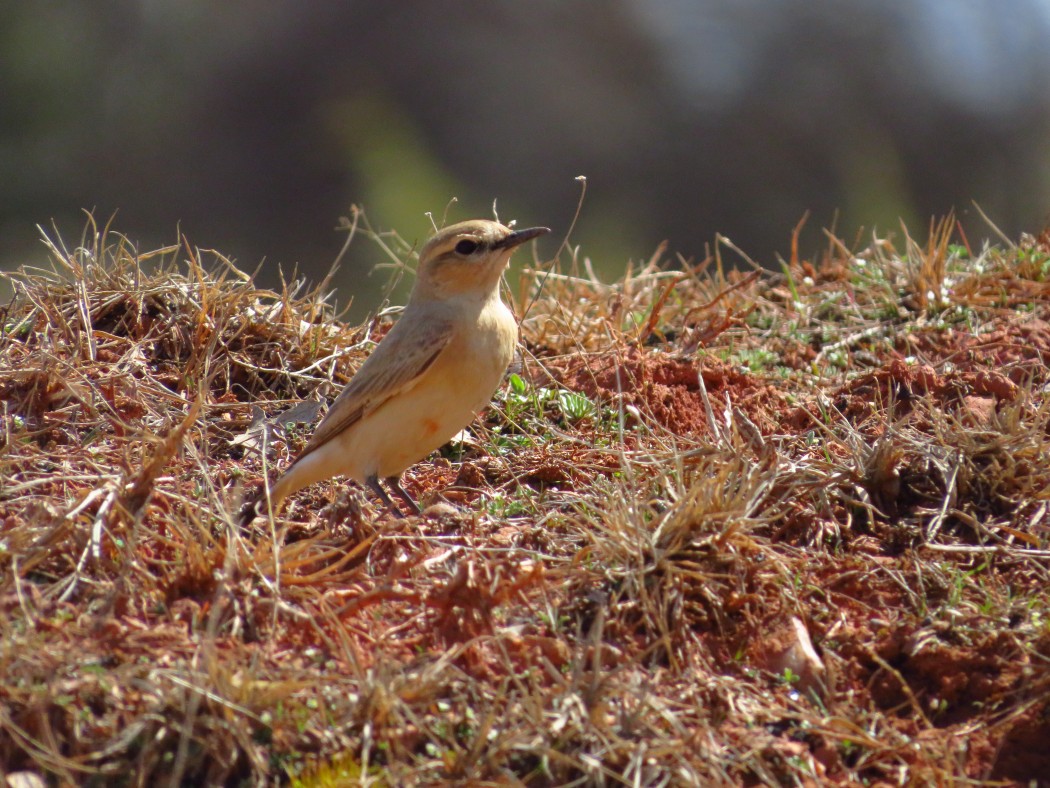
(250, 509)
(377, 488)
(395, 485)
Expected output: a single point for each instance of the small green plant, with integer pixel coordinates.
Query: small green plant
(532, 408)
(576, 406)
(501, 506)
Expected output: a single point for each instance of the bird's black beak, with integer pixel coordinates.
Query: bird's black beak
(518, 237)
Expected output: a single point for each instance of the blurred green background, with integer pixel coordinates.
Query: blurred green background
(251, 127)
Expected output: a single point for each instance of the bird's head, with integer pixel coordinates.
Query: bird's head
(468, 258)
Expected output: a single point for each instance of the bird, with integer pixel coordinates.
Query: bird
(426, 379)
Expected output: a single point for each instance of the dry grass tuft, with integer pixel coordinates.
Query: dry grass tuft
(723, 527)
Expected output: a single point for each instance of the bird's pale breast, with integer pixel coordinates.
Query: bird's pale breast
(443, 400)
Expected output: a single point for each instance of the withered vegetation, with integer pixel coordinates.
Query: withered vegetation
(724, 526)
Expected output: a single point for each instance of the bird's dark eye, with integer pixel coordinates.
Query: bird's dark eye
(466, 247)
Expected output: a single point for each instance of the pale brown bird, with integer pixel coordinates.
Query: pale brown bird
(425, 381)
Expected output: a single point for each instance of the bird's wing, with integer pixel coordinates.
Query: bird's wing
(395, 365)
